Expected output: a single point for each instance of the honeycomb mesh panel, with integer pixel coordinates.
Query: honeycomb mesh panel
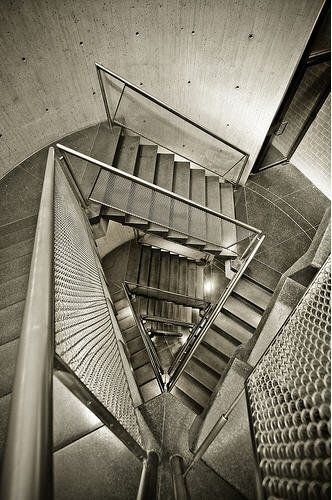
(84, 334)
(289, 399)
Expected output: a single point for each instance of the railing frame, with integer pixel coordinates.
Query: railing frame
(27, 464)
(111, 120)
(155, 187)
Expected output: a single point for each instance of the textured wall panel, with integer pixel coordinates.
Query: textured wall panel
(289, 394)
(84, 334)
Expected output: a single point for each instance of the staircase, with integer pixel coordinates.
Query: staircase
(16, 244)
(125, 152)
(233, 327)
(167, 272)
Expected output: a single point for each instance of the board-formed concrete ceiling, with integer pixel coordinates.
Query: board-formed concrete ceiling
(225, 63)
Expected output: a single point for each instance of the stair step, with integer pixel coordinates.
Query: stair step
(233, 328)
(144, 374)
(145, 169)
(229, 235)
(130, 334)
(180, 212)
(4, 412)
(126, 323)
(163, 178)
(125, 159)
(197, 222)
(133, 262)
(11, 322)
(120, 304)
(135, 345)
(242, 311)
(150, 390)
(174, 274)
(201, 372)
(139, 358)
(13, 290)
(9, 236)
(15, 268)
(191, 276)
(155, 268)
(183, 276)
(210, 358)
(221, 344)
(124, 312)
(200, 282)
(213, 225)
(8, 353)
(165, 262)
(187, 401)
(145, 266)
(7, 254)
(103, 149)
(194, 389)
(253, 293)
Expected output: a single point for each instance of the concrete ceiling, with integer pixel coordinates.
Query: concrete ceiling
(195, 55)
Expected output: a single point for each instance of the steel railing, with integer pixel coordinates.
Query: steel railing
(27, 462)
(112, 120)
(121, 204)
(153, 356)
(198, 333)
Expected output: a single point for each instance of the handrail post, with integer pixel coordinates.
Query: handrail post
(27, 464)
(103, 93)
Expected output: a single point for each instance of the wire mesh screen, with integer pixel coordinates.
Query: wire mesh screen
(144, 202)
(84, 334)
(289, 394)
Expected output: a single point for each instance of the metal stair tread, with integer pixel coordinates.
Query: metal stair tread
(233, 328)
(127, 322)
(15, 267)
(210, 358)
(200, 372)
(213, 225)
(135, 345)
(150, 390)
(193, 389)
(229, 233)
(253, 293)
(8, 239)
(186, 400)
(8, 353)
(145, 169)
(16, 250)
(120, 304)
(139, 358)
(218, 342)
(163, 178)
(130, 334)
(144, 374)
(123, 313)
(13, 290)
(179, 216)
(11, 321)
(242, 311)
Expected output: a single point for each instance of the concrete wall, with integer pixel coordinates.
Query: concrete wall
(197, 56)
(313, 156)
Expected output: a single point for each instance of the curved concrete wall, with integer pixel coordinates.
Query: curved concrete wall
(225, 63)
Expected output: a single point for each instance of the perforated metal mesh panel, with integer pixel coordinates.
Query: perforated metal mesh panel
(289, 394)
(132, 198)
(84, 334)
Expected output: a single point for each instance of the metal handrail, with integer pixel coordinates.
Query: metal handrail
(155, 363)
(27, 464)
(155, 187)
(160, 103)
(197, 335)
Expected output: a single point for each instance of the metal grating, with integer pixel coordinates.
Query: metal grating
(289, 397)
(84, 335)
(144, 202)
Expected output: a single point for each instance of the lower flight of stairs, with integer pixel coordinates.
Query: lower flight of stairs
(126, 153)
(16, 245)
(234, 326)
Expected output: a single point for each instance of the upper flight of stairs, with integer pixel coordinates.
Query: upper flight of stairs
(16, 245)
(126, 153)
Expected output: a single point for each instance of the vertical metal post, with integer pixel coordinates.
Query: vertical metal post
(103, 93)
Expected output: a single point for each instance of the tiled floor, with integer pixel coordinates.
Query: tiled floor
(286, 206)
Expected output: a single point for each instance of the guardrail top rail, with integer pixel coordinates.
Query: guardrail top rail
(184, 136)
